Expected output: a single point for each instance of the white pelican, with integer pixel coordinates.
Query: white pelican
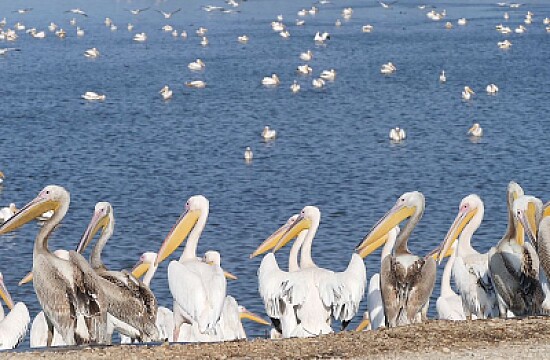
(197, 84)
(367, 28)
(248, 154)
(318, 83)
(295, 87)
(79, 319)
(407, 280)
(492, 89)
(347, 12)
(113, 27)
(72, 22)
(279, 17)
(52, 27)
(442, 77)
(388, 68)
(230, 326)
(338, 23)
(300, 22)
(397, 134)
(4, 51)
(79, 31)
(306, 56)
(506, 44)
(91, 95)
(140, 37)
(476, 130)
(449, 304)
(467, 93)
(448, 25)
(514, 266)
(321, 37)
(13, 327)
(77, 11)
(175, 33)
(204, 41)
(520, 29)
(91, 53)
(284, 34)
(506, 16)
(130, 27)
(7, 212)
(304, 69)
(196, 65)
(108, 22)
(167, 28)
(302, 12)
(546, 21)
(462, 21)
(23, 11)
(243, 39)
(328, 75)
(19, 26)
(2, 176)
(268, 134)
(314, 10)
(471, 269)
(38, 35)
(137, 11)
(165, 92)
(167, 14)
(198, 289)
(61, 33)
(183, 34)
(277, 26)
(273, 80)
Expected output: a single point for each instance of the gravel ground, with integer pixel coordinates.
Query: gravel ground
(491, 339)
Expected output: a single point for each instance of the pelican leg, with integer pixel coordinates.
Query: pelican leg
(50, 332)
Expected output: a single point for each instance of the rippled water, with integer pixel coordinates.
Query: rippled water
(147, 156)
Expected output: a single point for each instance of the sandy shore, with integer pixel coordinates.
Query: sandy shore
(491, 339)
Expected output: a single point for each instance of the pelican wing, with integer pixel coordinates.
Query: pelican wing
(389, 287)
(543, 242)
(375, 305)
(450, 308)
(199, 290)
(165, 323)
(351, 284)
(13, 328)
(230, 323)
(271, 282)
(421, 276)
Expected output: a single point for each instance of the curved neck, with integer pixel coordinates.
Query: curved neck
(446, 277)
(190, 250)
(388, 246)
(511, 228)
(293, 256)
(41, 241)
(95, 257)
(401, 242)
(305, 257)
(150, 273)
(464, 246)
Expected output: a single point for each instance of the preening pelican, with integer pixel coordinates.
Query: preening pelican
(7, 212)
(467, 93)
(165, 92)
(69, 292)
(272, 80)
(407, 280)
(442, 77)
(514, 266)
(197, 65)
(449, 304)
(13, 327)
(93, 96)
(476, 130)
(397, 134)
(132, 306)
(198, 289)
(268, 134)
(471, 269)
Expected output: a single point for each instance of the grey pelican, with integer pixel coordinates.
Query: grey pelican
(69, 292)
(13, 326)
(471, 268)
(514, 266)
(132, 306)
(407, 280)
(543, 243)
(198, 289)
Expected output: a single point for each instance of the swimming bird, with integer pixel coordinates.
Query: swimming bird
(492, 89)
(300, 22)
(284, 34)
(388, 68)
(506, 44)
(277, 26)
(79, 31)
(318, 83)
(347, 12)
(506, 16)
(386, 5)
(197, 84)
(243, 39)
(462, 21)
(93, 96)
(476, 130)
(7, 212)
(198, 289)
(471, 268)
(407, 280)
(168, 15)
(72, 22)
(272, 80)
(13, 326)
(304, 69)
(165, 92)
(113, 27)
(137, 11)
(295, 87)
(302, 12)
(520, 29)
(338, 23)
(442, 77)
(196, 65)
(77, 11)
(52, 27)
(367, 28)
(2, 176)
(108, 22)
(130, 27)
(467, 93)
(268, 134)
(328, 75)
(248, 154)
(38, 34)
(140, 37)
(448, 25)
(92, 53)
(4, 51)
(61, 33)
(167, 28)
(306, 56)
(23, 11)
(321, 37)
(397, 134)
(204, 41)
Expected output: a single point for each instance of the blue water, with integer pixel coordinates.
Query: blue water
(147, 156)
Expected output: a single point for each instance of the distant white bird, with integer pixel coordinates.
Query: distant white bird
(504, 44)
(130, 27)
(268, 134)
(175, 33)
(546, 21)
(442, 77)
(2, 177)
(277, 26)
(108, 22)
(338, 23)
(52, 27)
(273, 80)
(386, 5)
(397, 134)
(304, 69)
(77, 11)
(388, 68)
(347, 12)
(306, 56)
(243, 39)
(197, 84)
(467, 93)
(168, 15)
(448, 25)
(367, 28)
(91, 53)
(284, 34)
(91, 95)
(7, 212)
(475, 130)
(196, 65)
(72, 22)
(520, 29)
(137, 11)
(79, 31)
(113, 27)
(201, 31)
(248, 155)
(204, 41)
(167, 28)
(506, 16)
(23, 11)
(165, 92)
(19, 27)
(295, 87)
(314, 10)
(300, 22)
(492, 89)
(183, 34)
(61, 33)
(140, 37)
(318, 83)
(4, 51)
(328, 75)
(462, 21)
(209, 8)
(321, 37)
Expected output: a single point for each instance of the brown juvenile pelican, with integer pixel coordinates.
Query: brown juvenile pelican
(132, 306)
(543, 241)
(407, 280)
(68, 291)
(514, 266)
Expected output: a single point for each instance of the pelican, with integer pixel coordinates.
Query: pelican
(61, 33)
(367, 28)
(140, 37)
(230, 326)
(204, 41)
(467, 93)
(506, 16)
(388, 68)
(492, 89)
(196, 65)
(167, 28)
(347, 12)
(113, 27)
(304, 69)
(306, 56)
(448, 25)
(38, 35)
(132, 306)
(442, 77)
(175, 33)
(108, 22)
(318, 83)
(449, 304)
(91, 53)
(302, 12)
(504, 44)
(321, 37)
(476, 130)
(92, 96)
(130, 27)
(19, 27)
(52, 27)
(201, 31)
(471, 268)
(197, 84)
(300, 22)
(338, 23)
(248, 154)
(277, 26)
(23, 11)
(7, 212)
(69, 292)
(72, 22)
(2, 176)
(328, 75)
(198, 289)
(295, 87)
(4, 51)
(183, 34)
(407, 280)
(273, 80)
(520, 29)
(462, 21)
(243, 39)
(13, 327)
(397, 134)
(77, 11)
(314, 10)
(268, 134)
(137, 11)
(165, 92)
(514, 266)
(284, 34)
(168, 15)
(79, 31)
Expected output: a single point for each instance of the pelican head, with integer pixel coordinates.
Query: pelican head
(469, 207)
(212, 257)
(50, 198)
(528, 212)
(308, 216)
(195, 206)
(274, 238)
(5, 294)
(144, 263)
(101, 220)
(406, 206)
(245, 314)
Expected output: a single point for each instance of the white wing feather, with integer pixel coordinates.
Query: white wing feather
(230, 322)
(14, 327)
(450, 308)
(271, 284)
(351, 289)
(375, 305)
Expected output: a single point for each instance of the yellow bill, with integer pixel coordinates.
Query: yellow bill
(178, 234)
